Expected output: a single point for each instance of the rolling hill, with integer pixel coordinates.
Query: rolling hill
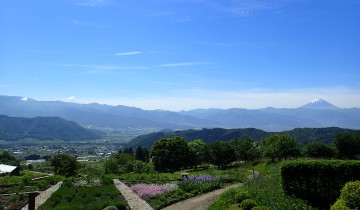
(302, 135)
(43, 128)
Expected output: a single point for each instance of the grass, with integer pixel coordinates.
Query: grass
(232, 175)
(265, 190)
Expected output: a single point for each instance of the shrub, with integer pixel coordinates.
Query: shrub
(240, 196)
(350, 194)
(318, 181)
(339, 205)
(248, 204)
(260, 208)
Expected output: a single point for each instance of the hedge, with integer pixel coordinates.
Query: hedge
(318, 181)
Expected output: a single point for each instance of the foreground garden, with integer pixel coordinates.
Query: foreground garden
(291, 177)
(13, 189)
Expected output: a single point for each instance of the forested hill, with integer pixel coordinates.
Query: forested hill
(303, 135)
(43, 128)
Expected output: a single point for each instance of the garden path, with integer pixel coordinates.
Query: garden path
(132, 199)
(44, 195)
(200, 202)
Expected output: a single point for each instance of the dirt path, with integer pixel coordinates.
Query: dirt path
(200, 202)
(44, 195)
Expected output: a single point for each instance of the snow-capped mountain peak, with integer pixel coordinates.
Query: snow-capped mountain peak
(319, 104)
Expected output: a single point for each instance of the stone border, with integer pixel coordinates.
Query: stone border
(133, 200)
(44, 195)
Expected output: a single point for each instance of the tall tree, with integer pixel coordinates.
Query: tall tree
(221, 154)
(65, 164)
(246, 149)
(128, 150)
(279, 146)
(170, 154)
(142, 154)
(347, 145)
(7, 158)
(197, 151)
(319, 150)
(119, 163)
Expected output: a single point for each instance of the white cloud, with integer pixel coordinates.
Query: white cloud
(127, 53)
(94, 69)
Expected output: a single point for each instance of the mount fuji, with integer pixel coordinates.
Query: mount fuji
(319, 104)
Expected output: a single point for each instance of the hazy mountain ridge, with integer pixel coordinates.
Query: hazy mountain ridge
(43, 128)
(317, 114)
(303, 135)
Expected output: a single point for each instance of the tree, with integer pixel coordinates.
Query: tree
(142, 154)
(347, 145)
(128, 150)
(65, 164)
(7, 158)
(197, 151)
(319, 150)
(279, 146)
(119, 163)
(245, 149)
(170, 154)
(221, 154)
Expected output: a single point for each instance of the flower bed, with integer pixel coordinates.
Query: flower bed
(152, 190)
(187, 188)
(200, 184)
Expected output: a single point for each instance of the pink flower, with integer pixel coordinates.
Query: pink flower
(149, 191)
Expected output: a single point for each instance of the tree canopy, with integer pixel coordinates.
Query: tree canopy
(221, 154)
(65, 165)
(246, 149)
(319, 150)
(279, 146)
(347, 145)
(170, 154)
(197, 152)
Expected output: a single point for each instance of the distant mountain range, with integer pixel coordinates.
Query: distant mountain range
(316, 114)
(302, 135)
(43, 128)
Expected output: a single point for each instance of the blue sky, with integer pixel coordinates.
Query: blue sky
(182, 54)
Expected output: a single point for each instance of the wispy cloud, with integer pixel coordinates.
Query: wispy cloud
(95, 69)
(127, 53)
(92, 3)
(87, 23)
(183, 64)
(247, 8)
